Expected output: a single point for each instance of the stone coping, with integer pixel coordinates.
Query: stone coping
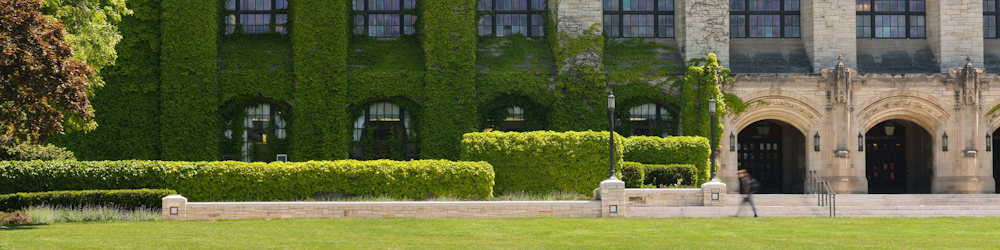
(398, 203)
(663, 190)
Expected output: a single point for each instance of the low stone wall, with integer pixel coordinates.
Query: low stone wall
(664, 197)
(177, 208)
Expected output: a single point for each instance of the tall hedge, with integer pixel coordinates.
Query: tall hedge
(544, 161)
(128, 199)
(239, 181)
(671, 150)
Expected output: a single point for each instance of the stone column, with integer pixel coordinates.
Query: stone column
(714, 194)
(829, 30)
(955, 31)
(703, 28)
(841, 132)
(967, 139)
(174, 207)
(613, 197)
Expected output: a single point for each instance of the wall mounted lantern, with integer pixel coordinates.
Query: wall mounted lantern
(944, 142)
(816, 142)
(732, 142)
(861, 142)
(989, 142)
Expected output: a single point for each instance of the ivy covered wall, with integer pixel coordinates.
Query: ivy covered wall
(181, 81)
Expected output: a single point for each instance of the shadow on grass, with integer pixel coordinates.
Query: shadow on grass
(21, 227)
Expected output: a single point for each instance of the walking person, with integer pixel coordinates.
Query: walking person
(748, 186)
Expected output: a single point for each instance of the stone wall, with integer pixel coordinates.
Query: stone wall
(461, 209)
(659, 197)
(705, 29)
(829, 31)
(955, 31)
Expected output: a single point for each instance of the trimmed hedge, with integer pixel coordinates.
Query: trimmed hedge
(666, 175)
(671, 150)
(239, 181)
(633, 174)
(544, 161)
(129, 199)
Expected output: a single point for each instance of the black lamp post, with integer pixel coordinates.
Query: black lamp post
(611, 123)
(711, 115)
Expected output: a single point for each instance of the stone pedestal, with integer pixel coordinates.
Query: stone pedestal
(174, 207)
(714, 193)
(613, 198)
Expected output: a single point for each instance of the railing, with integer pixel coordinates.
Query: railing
(825, 196)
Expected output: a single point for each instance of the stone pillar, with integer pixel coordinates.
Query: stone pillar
(575, 18)
(613, 197)
(839, 148)
(828, 31)
(955, 31)
(714, 194)
(174, 207)
(967, 139)
(703, 29)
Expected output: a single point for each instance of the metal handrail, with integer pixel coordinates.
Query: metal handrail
(825, 196)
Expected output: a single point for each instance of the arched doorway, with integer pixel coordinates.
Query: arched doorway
(898, 158)
(773, 152)
(996, 161)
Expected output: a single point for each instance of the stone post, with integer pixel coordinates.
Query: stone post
(613, 198)
(703, 28)
(955, 31)
(714, 193)
(829, 30)
(174, 207)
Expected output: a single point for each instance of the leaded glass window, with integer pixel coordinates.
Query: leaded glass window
(990, 14)
(651, 119)
(514, 120)
(256, 16)
(383, 18)
(639, 18)
(764, 18)
(505, 17)
(383, 132)
(891, 18)
(260, 121)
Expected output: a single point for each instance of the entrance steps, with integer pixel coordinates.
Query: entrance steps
(848, 205)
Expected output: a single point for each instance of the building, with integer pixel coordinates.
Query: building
(876, 96)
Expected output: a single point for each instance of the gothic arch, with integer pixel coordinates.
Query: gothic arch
(993, 120)
(786, 107)
(922, 109)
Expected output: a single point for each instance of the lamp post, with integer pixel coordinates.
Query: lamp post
(611, 123)
(711, 115)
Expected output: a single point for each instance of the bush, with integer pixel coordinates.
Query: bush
(239, 181)
(666, 175)
(16, 217)
(671, 150)
(58, 214)
(543, 161)
(15, 150)
(633, 174)
(129, 199)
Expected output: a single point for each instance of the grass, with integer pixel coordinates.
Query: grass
(518, 233)
(49, 214)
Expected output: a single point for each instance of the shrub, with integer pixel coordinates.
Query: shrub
(666, 175)
(16, 217)
(15, 150)
(633, 174)
(671, 150)
(543, 161)
(239, 181)
(58, 214)
(129, 199)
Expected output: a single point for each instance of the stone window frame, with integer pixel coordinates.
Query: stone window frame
(990, 13)
(363, 18)
(868, 12)
(670, 25)
(239, 12)
(535, 21)
(663, 123)
(784, 14)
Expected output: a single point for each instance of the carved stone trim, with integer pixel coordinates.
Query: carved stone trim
(779, 103)
(842, 82)
(969, 84)
(842, 154)
(971, 153)
(903, 103)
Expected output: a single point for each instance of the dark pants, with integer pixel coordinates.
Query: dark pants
(748, 199)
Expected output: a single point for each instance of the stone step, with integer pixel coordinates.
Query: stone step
(816, 211)
(873, 200)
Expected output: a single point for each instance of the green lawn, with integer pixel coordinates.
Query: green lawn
(561, 233)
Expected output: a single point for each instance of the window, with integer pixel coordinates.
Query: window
(990, 14)
(505, 17)
(639, 18)
(384, 128)
(651, 119)
(891, 19)
(256, 16)
(514, 120)
(764, 18)
(383, 18)
(259, 120)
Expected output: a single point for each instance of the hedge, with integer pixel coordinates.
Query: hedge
(239, 181)
(671, 150)
(666, 175)
(128, 199)
(544, 161)
(633, 174)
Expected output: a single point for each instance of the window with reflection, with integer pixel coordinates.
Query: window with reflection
(505, 17)
(256, 16)
(639, 18)
(990, 14)
(764, 18)
(383, 18)
(261, 124)
(383, 132)
(651, 119)
(891, 19)
(514, 120)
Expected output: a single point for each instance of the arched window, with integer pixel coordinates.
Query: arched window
(256, 16)
(764, 18)
(514, 120)
(651, 119)
(639, 18)
(261, 126)
(382, 132)
(505, 17)
(990, 14)
(383, 18)
(891, 19)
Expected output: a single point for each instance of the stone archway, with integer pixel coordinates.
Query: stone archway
(774, 153)
(898, 158)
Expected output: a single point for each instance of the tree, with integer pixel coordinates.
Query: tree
(40, 80)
